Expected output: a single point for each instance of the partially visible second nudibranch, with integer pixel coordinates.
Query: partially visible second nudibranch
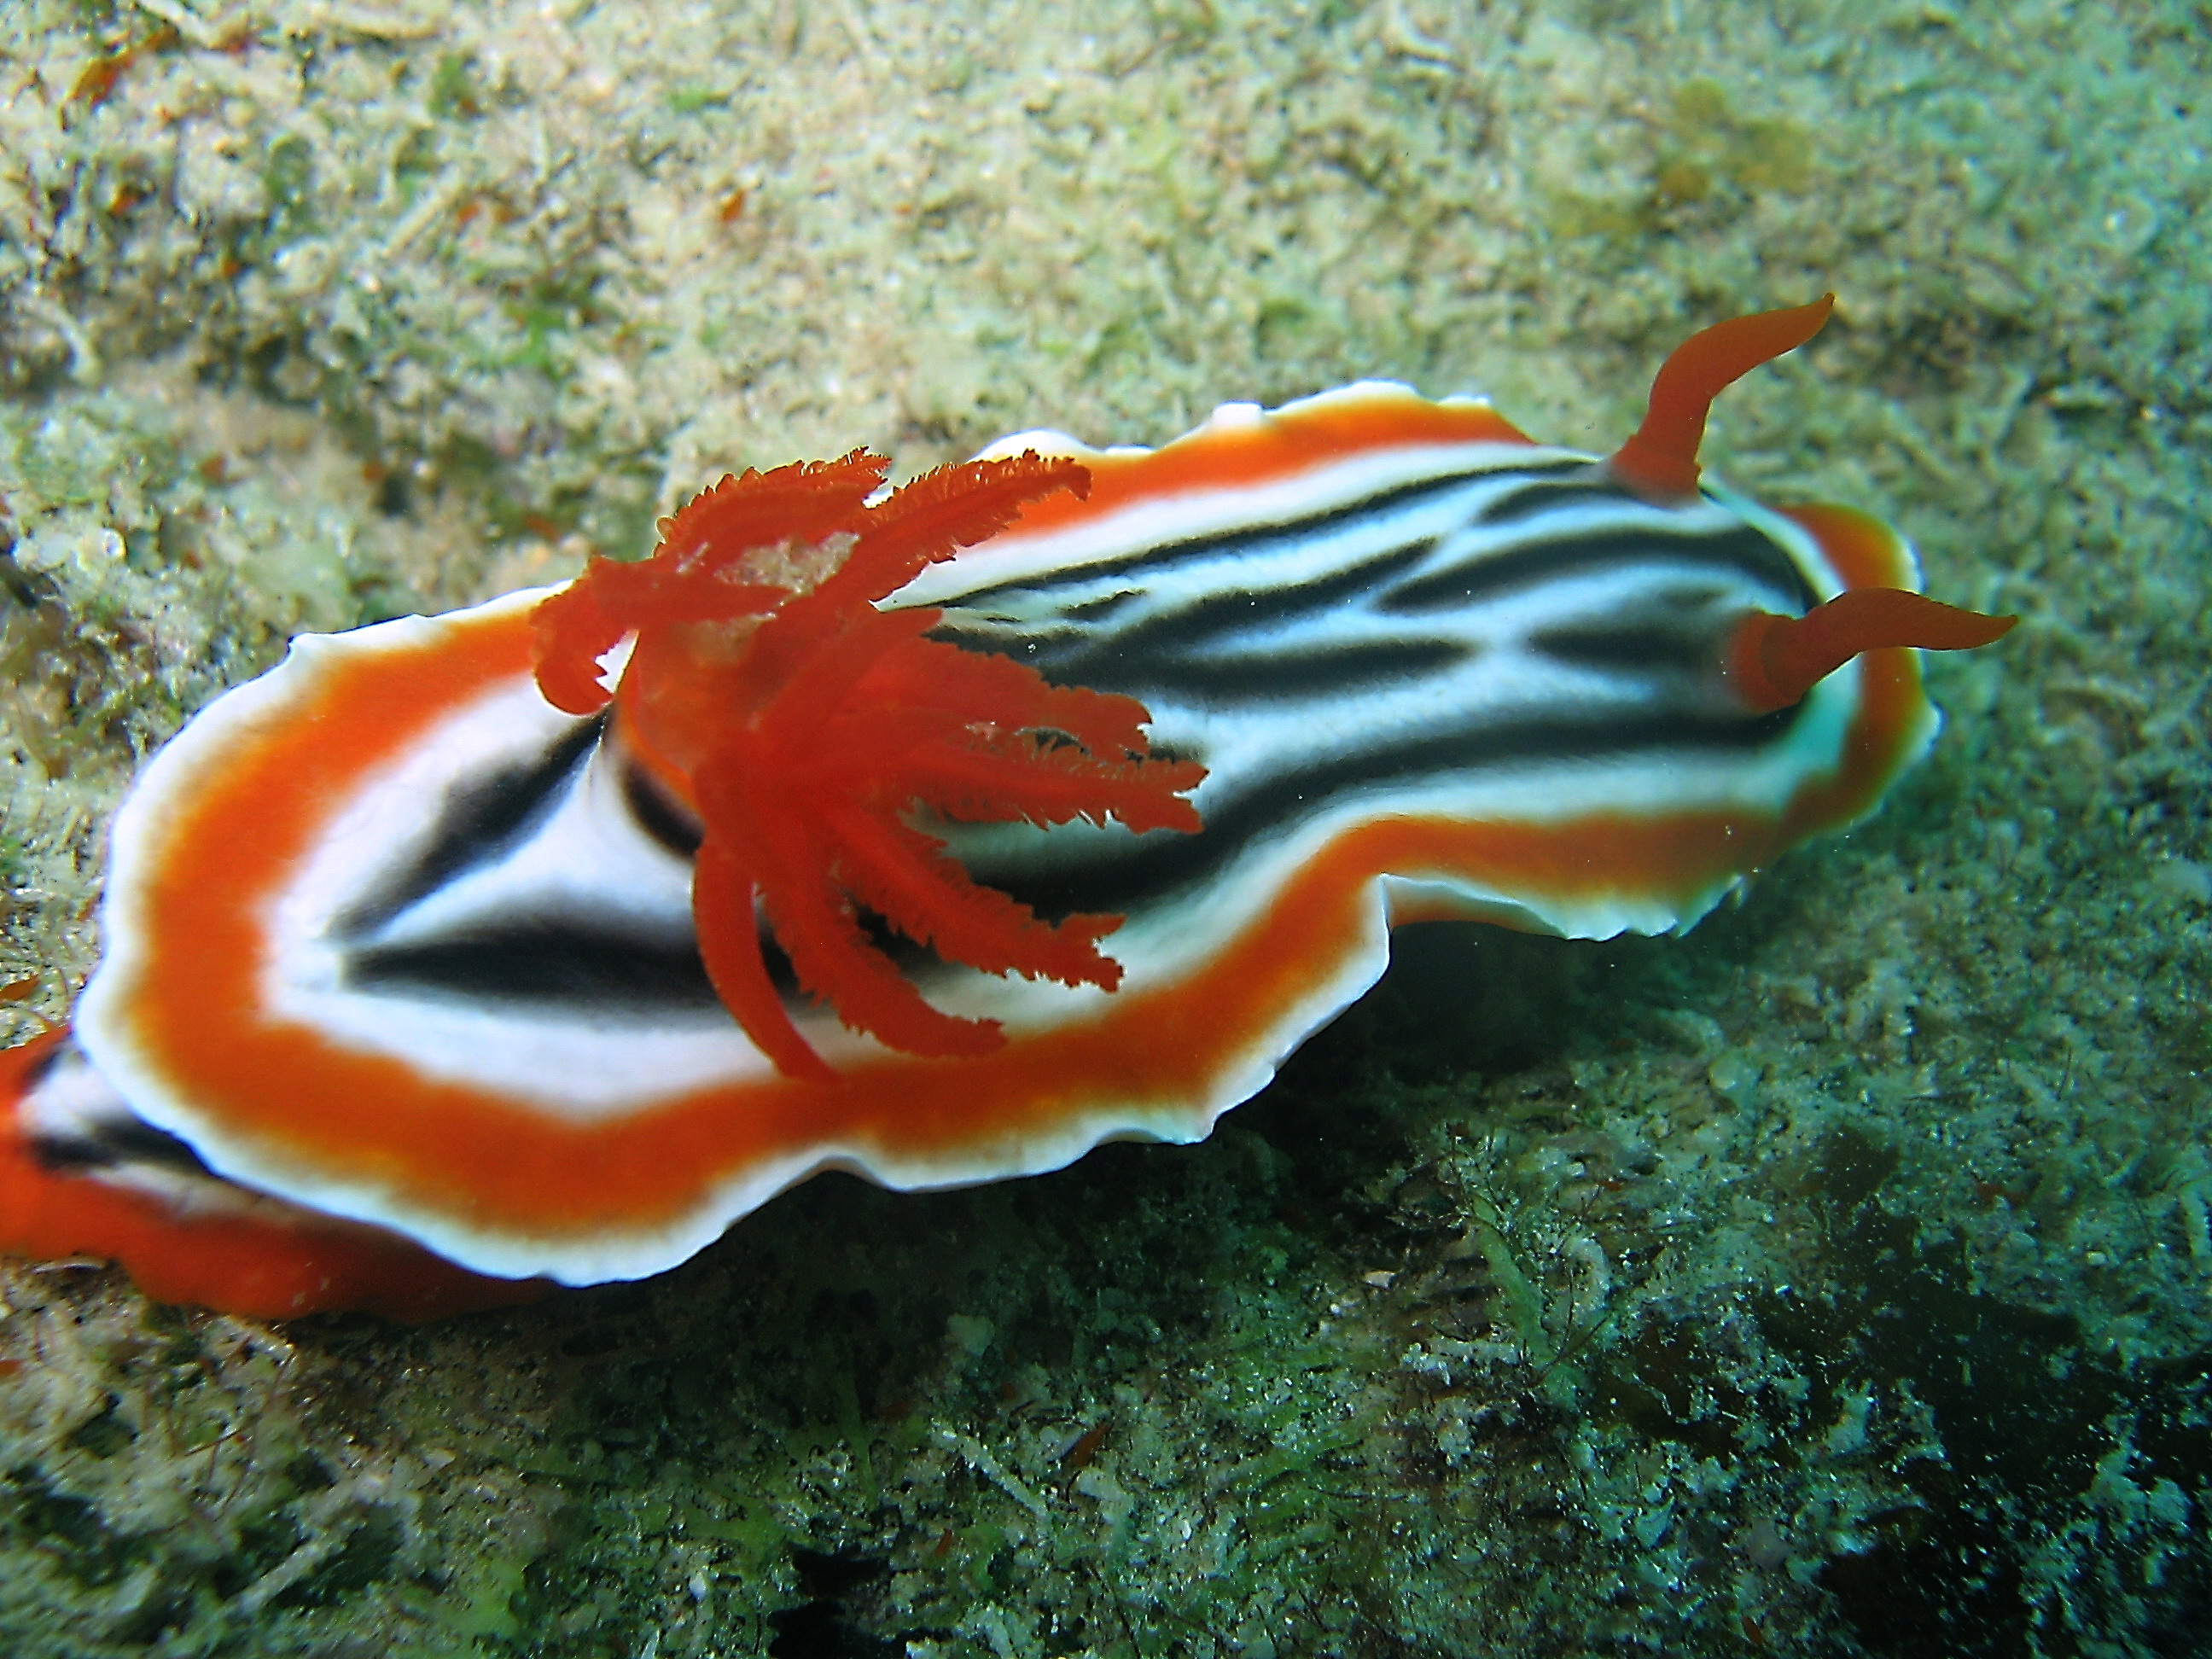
(937, 834)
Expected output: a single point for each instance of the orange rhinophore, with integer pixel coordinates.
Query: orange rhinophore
(1773, 661)
(541, 940)
(1660, 458)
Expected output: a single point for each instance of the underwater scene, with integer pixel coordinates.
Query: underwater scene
(1173, 827)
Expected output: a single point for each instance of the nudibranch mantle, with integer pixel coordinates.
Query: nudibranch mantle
(398, 950)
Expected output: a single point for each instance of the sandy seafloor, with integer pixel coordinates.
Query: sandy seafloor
(1837, 1280)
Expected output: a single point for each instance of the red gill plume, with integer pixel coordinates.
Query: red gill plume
(805, 729)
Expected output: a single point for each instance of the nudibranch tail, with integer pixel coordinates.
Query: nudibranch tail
(1773, 661)
(800, 725)
(247, 1253)
(1660, 460)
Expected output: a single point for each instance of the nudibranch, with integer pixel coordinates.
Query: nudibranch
(936, 834)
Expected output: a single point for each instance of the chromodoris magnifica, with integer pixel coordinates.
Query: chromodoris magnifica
(937, 834)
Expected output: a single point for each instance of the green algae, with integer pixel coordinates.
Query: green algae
(1833, 1281)
(1705, 154)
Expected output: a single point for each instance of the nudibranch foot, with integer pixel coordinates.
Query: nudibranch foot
(935, 834)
